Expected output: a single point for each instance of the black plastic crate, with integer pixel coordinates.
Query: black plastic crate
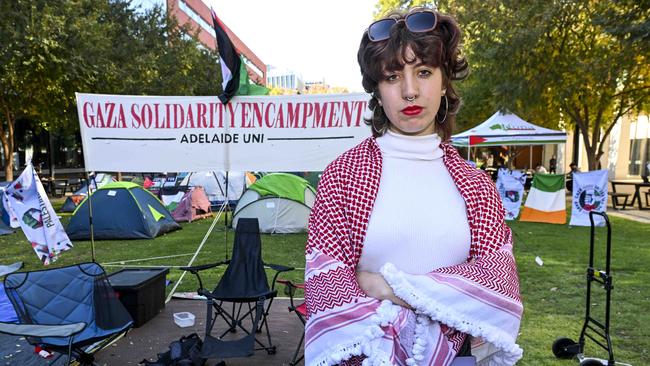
(141, 291)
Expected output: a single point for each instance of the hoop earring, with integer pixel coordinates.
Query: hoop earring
(446, 111)
(379, 131)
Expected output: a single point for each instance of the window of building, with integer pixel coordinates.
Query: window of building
(639, 148)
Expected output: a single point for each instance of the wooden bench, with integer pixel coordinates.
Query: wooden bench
(615, 199)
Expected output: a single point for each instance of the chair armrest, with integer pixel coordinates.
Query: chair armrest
(196, 269)
(34, 330)
(5, 270)
(203, 267)
(290, 290)
(279, 267)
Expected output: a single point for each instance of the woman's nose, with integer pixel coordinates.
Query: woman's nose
(409, 88)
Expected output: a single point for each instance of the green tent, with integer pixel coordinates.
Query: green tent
(281, 202)
(121, 210)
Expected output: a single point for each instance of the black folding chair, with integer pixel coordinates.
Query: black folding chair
(68, 309)
(244, 285)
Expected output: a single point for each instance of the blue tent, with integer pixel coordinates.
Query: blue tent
(4, 216)
(121, 210)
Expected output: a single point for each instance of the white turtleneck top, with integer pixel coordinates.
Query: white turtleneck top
(419, 219)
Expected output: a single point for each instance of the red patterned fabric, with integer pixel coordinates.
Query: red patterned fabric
(337, 228)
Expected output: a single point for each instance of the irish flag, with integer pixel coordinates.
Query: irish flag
(546, 200)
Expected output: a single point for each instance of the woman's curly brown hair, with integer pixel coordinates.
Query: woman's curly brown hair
(438, 48)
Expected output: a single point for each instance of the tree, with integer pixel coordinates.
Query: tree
(53, 48)
(42, 62)
(556, 63)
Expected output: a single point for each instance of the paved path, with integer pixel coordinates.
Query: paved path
(155, 336)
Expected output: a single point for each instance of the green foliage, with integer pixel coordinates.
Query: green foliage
(558, 64)
(53, 48)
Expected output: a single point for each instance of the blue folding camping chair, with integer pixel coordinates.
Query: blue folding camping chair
(66, 309)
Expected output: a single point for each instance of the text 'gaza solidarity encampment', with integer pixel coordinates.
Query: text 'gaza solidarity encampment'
(298, 115)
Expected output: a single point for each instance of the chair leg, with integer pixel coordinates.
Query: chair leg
(69, 350)
(296, 359)
(209, 322)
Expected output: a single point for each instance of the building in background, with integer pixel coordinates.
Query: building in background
(322, 87)
(197, 14)
(284, 79)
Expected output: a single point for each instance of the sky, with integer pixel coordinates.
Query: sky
(316, 39)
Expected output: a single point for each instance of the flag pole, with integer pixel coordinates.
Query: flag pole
(227, 209)
(90, 214)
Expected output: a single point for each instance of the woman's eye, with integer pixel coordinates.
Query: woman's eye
(424, 73)
(391, 77)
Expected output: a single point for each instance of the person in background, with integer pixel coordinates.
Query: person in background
(540, 169)
(573, 168)
(552, 165)
(402, 271)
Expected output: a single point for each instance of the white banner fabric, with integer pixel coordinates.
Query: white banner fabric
(589, 194)
(28, 207)
(124, 133)
(510, 184)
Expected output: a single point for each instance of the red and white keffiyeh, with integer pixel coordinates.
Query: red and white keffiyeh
(479, 297)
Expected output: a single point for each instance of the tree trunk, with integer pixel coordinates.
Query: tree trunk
(9, 170)
(7, 139)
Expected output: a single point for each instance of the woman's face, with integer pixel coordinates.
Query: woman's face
(411, 97)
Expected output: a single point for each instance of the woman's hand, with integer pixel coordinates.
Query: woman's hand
(374, 285)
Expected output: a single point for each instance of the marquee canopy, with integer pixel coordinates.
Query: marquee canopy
(507, 129)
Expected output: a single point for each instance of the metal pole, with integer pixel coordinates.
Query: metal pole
(90, 214)
(227, 210)
(51, 159)
(225, 227)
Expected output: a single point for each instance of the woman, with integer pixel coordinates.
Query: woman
(408, 251)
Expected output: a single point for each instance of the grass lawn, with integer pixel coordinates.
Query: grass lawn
(553, 294)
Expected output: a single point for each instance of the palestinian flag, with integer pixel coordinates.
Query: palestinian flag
(233, 69)
(546, 201)
(246, 87)
(230, 60)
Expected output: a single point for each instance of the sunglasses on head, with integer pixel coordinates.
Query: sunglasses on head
(416, 22)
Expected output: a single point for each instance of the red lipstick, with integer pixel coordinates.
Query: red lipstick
(412, 110)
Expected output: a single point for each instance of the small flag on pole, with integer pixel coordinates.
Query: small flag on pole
(233, 69)
(28, 207)
(230, 60)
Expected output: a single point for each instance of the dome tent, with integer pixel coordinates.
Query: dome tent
(281, 203)
(188, 205)
(121, 210)
(214, 184)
